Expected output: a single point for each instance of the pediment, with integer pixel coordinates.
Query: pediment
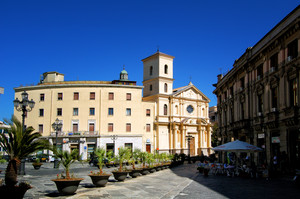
(191, 92)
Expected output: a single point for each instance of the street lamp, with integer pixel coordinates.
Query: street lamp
(189, 137)
(114, 137)
(25, 106)
(57, 125)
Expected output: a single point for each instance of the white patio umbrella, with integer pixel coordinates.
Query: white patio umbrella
(237, 146)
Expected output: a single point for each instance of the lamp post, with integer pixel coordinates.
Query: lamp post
(114, 138)
(188, 137)
(25, 106)
(57, 125)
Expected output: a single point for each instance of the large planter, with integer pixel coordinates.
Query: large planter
(15, 192)
(37, 166)
(120, 175)
(100, 180)
(67, 186)
(145, 171)
(157, 168)
(205, 172)
(152, 170)
(135, 173)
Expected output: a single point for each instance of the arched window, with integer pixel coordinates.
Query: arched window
(165, 109)
(151, 70)
(176, 109)
(166, 69)
(150, 87)
(166, 87)
(203, 112)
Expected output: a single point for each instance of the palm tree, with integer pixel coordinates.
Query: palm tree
(18, 144)
(100, 153)
(67, 158)
(124, 154)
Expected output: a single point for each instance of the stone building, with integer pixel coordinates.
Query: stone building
(258, 99)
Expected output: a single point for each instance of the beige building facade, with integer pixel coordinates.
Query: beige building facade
(112, 114)
(93, 113)
(258, 99)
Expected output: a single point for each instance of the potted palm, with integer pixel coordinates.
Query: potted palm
(124, 155)
(135, 172)
(150, 162)
(37, 164)
(144, 159)
(100, 178)
(110, 159)
(67, 184)
(18, 143)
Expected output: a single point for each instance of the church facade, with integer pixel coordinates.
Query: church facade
(182, 122)
(117, 113)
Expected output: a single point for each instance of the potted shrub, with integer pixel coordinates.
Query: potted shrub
(18, 144)
(110, 159)
(124, 155)
(37, 164)
(144, 159)
(67, 184)
(135, 172)
(100, 178)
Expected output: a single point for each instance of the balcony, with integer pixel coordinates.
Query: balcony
(272, 118)
(290, 117)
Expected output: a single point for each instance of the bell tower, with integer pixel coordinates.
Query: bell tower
(158, 74)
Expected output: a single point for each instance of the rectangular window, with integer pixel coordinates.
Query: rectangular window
(91, 127)
(128, 127)
(41, 128)
(274, 61)
(59, 111)
(75, 127)
(242, 83)
(148, 127)
(260, 103)
(76, 96)
(110, 111)
(293, 92)
(75, 111)
(128, 96)
(92, 111)
(274, 97)
(148, 112)
(128, 111)
(111, 96)
(128, 146)
(293, 49)
(92, 96)
(42, 97)
(41, 112)
(110, 127)
(259, 71)
(59, 96)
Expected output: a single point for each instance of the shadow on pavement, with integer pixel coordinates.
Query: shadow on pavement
(234, 187)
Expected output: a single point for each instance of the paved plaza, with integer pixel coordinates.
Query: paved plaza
(181, 182)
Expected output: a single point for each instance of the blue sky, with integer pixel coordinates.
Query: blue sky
(92, 40)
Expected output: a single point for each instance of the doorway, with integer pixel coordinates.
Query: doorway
(192, 146)
(148, 148)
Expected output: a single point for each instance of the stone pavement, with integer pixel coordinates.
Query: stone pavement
(181, 182)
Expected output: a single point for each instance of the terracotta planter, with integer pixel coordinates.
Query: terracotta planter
(100, 180)
(15, 192)
(120, 175)
(135, 173)
(67, 186)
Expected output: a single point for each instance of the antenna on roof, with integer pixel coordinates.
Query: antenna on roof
(157, 48)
